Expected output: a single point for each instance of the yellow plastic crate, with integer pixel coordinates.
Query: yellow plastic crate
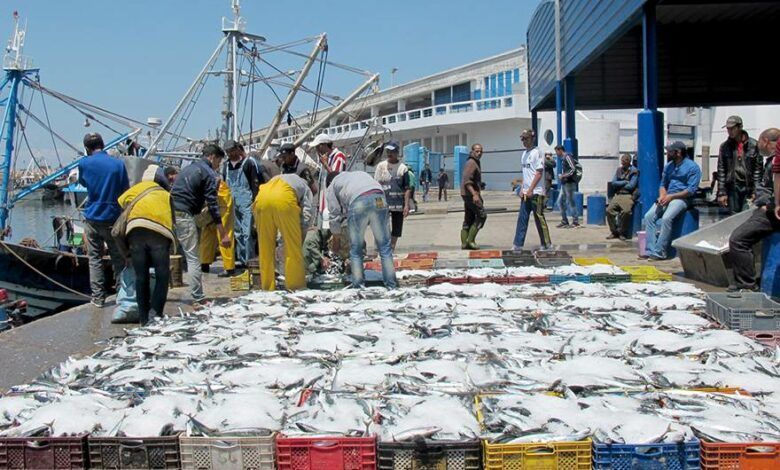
(646, 273)
(592, 261)
(541, 456)
(241, 282)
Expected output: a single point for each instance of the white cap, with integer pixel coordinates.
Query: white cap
(321, 139)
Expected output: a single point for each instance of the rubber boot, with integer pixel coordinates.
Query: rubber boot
(464, 237)
(472, 236)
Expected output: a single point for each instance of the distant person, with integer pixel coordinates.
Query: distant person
(393, 176)
(531, 193)
(209, 235)
(151, 240)
(238, 174)
(620, 209)
(762, 222)
(426, 177)
(194, 188)
(739, 167)
(106, 179)
(283, 205)
(549, 176)
(165, 176)
(570, 176)
(443, 181)
(679, 182)
(332, 159)
(360, 203)
(292, 165)
(474, 215)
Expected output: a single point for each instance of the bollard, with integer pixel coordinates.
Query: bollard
(770, 276)
(597, 209)
(578, 201)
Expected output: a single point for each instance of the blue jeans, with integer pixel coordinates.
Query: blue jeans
(566, 202)
(536, 205)
(370, 209)
(658, 245)
(243, 227)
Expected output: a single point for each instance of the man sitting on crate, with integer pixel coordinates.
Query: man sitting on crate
(679, 182)
(761, 224)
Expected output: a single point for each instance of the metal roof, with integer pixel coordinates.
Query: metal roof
(710, 52)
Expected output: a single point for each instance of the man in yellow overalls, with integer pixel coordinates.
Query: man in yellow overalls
(284, 204)
(209, 240)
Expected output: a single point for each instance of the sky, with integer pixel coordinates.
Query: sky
(137, 57)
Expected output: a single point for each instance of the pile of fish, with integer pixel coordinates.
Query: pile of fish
(543, 362)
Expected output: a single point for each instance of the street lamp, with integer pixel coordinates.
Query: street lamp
(392, 76)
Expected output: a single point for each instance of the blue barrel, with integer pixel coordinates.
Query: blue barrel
(689, 223)
(770, 277)
(597, 209)
(578, 201)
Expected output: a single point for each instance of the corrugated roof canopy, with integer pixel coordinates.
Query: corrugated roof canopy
(709, 52)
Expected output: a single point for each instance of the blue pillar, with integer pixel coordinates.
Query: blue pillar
(571, 123)
(461, 153)
(413, 158)
(558, 124)
(650, 120)
(15, 77)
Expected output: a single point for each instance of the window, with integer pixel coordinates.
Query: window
(461, 92)
(442, 96)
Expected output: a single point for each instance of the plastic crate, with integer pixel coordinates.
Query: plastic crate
(326, 453)
(447, 280)
(516, 253)
(743, 456)
(377, 265)
(512, 280)
(486, 263)
(416, 264)
(592, 261)
(646, 273)
(44, 453)
(768, 338)
(551, 254)
(744, 311)
(544, 456)
(451, 264)
(423, 255)
(561, 278)
(610, 278)
(677, 456)
(516, 262)
(479, 254)
(227, 452)
(124, 453)
(430, 455)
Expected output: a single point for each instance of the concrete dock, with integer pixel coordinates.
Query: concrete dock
(32, 349)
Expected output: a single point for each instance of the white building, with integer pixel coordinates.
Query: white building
(486, 102)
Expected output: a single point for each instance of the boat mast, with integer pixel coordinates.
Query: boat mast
(16, 66)
(232, 74)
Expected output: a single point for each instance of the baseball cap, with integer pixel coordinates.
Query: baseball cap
(676, 146)
(232, 145)
(733, 121)
(287, 148)
(392, 146)
(321, 139)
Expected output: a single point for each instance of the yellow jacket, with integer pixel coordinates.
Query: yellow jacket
(153, 212)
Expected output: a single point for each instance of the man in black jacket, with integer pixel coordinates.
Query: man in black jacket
(761, 223)
(739, 167)
(195, 187)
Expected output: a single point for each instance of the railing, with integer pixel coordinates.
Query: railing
(488, 104)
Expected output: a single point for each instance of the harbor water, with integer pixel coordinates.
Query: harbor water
(34, 219)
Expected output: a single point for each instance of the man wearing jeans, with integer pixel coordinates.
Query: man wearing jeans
(355, 197)
(679, 182)
(531, 193)
(568, 188)
(195, 186)
(106, 179)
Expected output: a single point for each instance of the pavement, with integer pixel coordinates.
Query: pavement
(32, 349)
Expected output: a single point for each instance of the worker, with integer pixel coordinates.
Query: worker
(266, 169)
(426, 177)
(739, 167)
(284, 205)
(358, 201)
(239, 173)
(150, 240)
(106, 179)
(620, 210)
(393, 176)
(292, 165)
(761, 224)
(195, 187)
(165, 177)
(208, 234)
(333, 160)
(531, 193)
(474, 215)
(316, 251)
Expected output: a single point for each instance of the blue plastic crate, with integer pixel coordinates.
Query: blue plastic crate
(677, 456)
(560, 278)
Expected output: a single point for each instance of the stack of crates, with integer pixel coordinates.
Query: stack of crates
(429, 455)
(681, 455)
(156, 453)
(52, 453)
(592, 261)
(546, 456)
(518, 258)
(325, 453)
(742, 456)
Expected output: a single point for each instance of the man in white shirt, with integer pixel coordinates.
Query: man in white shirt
(531, 193)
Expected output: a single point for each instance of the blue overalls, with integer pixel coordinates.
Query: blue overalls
(242, 197)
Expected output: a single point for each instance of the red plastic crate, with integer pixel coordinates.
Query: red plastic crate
(483, 254)
(423, 255)
(536, 279)
(768, 338)
(744, 456)
(43, 453)
(327, 453)
(416, 264)
(377, 265)
(445, 280)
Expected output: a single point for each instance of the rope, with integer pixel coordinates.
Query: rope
(34, 269)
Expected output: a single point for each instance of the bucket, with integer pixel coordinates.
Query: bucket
(642, 237)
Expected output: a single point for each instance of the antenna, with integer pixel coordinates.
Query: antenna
(13, 57)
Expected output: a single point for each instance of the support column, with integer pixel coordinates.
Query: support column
(650, 120)
(535, 125)
(558, 124)
(571, 124)
(461, 154)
